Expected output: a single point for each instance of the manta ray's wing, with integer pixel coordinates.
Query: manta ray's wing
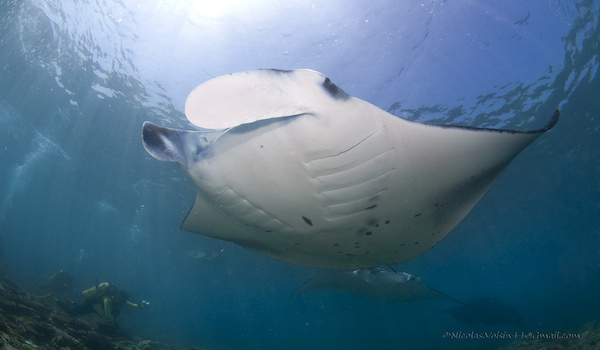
(487, 311)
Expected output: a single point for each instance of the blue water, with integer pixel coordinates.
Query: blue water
(78, 191)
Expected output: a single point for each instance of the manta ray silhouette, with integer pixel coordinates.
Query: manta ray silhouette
(386, 285)
(487, 311)
(378, 283)
(289, 165)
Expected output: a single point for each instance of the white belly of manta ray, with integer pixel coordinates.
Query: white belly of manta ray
(289, 165)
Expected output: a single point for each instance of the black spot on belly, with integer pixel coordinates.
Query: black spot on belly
(416, 242)
(336, 244)
(307, 220)
(368, 233)
(417, 214)
(387, 222)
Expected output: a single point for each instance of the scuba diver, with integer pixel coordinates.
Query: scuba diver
(58, 285)
(105, 299)
(60, 282)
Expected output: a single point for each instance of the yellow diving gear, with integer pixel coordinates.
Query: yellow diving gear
(96, 290)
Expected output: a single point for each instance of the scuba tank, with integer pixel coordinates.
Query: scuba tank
(96, 290)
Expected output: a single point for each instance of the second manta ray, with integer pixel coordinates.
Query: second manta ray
(289, 165)
(377, 284)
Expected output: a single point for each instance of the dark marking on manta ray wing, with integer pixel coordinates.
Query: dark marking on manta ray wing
(278, 71)
(334, 91)
(307, 220)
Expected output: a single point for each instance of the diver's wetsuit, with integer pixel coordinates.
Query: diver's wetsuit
(107, 301)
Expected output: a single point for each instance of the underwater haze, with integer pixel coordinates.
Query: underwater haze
(78, 191)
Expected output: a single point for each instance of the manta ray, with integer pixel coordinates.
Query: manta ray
(289, 165)
(377, 284)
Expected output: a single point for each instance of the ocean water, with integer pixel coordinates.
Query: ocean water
(78, 191)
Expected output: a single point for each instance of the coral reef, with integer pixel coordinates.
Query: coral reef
(31, 322)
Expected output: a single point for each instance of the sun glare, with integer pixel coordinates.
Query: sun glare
(215, 8)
